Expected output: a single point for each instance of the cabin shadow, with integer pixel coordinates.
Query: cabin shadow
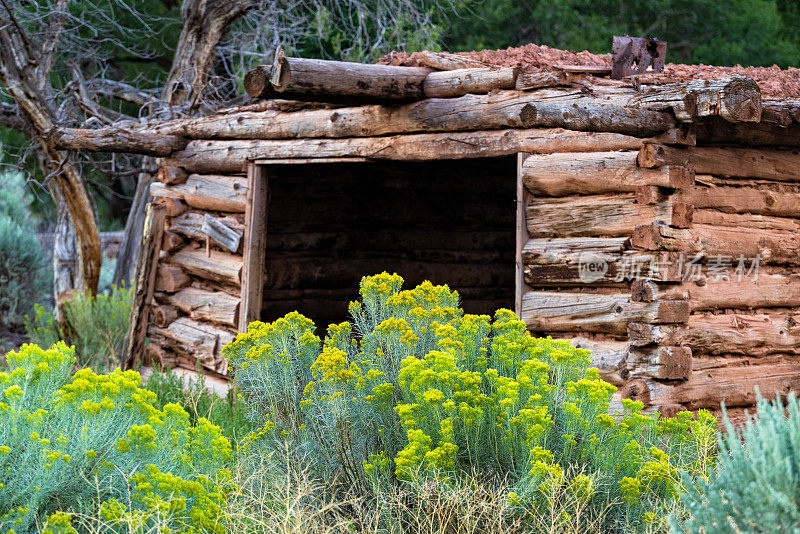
(448, 221)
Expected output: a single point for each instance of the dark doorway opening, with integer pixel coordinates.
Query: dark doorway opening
(451, 222)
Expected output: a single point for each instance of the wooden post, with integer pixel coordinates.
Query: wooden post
(522, 235)
(255, 244)
(155, 219)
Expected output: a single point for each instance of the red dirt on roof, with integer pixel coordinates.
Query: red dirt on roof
(775, 83)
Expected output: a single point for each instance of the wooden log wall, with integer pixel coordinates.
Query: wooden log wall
(718, 317)
(195, 303)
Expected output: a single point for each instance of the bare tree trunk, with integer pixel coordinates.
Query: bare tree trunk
(24, 71)
(205, 23)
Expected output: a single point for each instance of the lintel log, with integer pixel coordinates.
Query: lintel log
(736, 99)
(212, 306)
(755, 335)
(451, 83)
(320, 79)
(207, 192)
(767, 290)
(596, 215)
(596, 173)
(663, 363)
(170, 279)
(769, 246)
(734, 386)
(227, 156)
(219, 267)
(768, 164)
(545, 311)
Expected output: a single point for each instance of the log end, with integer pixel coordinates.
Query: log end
(256, 82)
(673, 311)
(682, 215)
(741, 100)
(675, 363)
(636, 390)
(646, 237)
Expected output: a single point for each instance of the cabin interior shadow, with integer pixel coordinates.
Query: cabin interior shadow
(449, 221)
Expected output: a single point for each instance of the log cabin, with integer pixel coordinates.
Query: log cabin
(654, 220)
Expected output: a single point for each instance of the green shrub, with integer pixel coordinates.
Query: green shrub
(96, 327)
(95, 445)
(756, 487)
(22, 280)
(199, 401)
(414, 390)
(15, 201)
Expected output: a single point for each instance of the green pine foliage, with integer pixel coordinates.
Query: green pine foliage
(22, 274)
(414, 390)
(96, 446)
(756, 487)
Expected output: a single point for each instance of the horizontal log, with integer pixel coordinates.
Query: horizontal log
(536, 80)
(190, 224)
(663, 363)
(733, 386)
(219, 266)
(459, 82)
(726, 290)
(769, 246)
(173, 206)
(755, 335)
(207, 192)
(171, 175)
(608, 356)
(757, 200)
(745, 220)
(591, 261)
(446, 61)
(198, 340)
(596, 173)
(170, 278)
(212, 306)
(130, 140)
(228, 156)
(545, 311)
(596, 118)
(319, 79)
(736, 99)
(718, 131)
(768, 164)
(597, 215)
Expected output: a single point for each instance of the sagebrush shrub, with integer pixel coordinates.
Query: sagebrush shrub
(22, 280)
(413, 389)
(96, 327)
(756, 487)
(95, 444)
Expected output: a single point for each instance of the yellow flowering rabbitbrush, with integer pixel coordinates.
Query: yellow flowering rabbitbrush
(414, 388)
(70, 440)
